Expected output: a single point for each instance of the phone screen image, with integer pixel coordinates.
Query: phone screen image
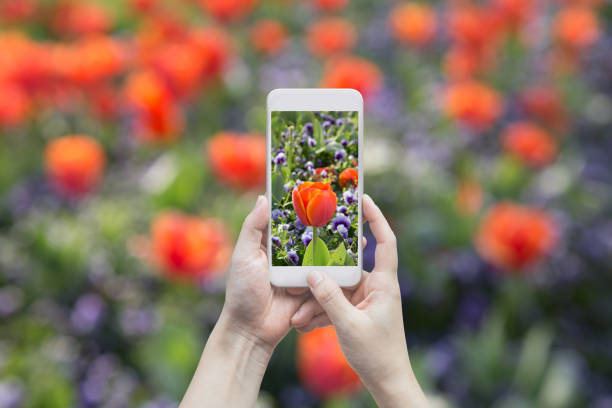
(314, 194)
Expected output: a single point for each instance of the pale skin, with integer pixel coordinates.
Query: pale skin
(256, 316)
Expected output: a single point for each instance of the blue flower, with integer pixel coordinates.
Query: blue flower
(287, 187)
(344, 142)
(292, 257)
(277, 214)
(309, 128)
(342, 209)
(312, 142)
(340, 154)
(340, 122)
(280, 158)
(307, 237)
(298, 224)
(341, 219)
(342, 231)
(349, 197)
(326, 125)
(290, 243)
(276, 241)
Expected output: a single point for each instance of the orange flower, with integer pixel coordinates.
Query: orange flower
(545, 104)
(77, 18)
(188, 247)
(513, 237)
(464, 63)
(74, 164)
(413, 23)
(238, 159)
(215, 46)
(473, 103)
(329, 36)
(513, 13)
(469, 197)
(14, 104)
(15, 11)
(348, 176)
(269, 36)
(321, 365)
(181, 64)
(227, 10)
(352, 72)
(330, 5)
(314, 203)
(92, 60)
(473, 27)
(576, 27)
(530, 143)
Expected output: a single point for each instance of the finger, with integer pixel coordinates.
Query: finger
(364, 242)
(309, 309)
(327, 292)
(254, 226)
(385, 256)
(319, 321)
(297, 291)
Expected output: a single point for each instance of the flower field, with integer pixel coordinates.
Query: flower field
(132, 146)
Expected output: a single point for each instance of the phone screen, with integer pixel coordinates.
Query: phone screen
(314, 179)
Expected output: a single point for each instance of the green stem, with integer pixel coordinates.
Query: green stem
(314, 244)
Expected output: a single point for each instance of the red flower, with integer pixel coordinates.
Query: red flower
(321, 365)
(513, 13)
(93, 60)
(513, 237)
(238, 159)
(473, 103)
(314, 203)
(352, 72)
(14, 104)
(530, 143)
(216, 48)
(15, 11)
(348, 176)
(269, 36)
(188, 247)
(74, 164)
(330, 5)
(329, 36)
(413, 23)
(576, 27)
(546, 105)
(78, 18)
(181, 64)
(227, 10)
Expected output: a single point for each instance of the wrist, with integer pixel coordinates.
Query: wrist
(399, 388)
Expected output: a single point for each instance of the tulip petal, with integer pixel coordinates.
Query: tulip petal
(298, 206)
(321, 208)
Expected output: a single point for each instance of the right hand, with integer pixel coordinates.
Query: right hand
(369, 323)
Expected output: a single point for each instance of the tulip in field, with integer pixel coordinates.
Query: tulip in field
(546, 105)
(14, 104)
(321, 365)
(188, 247)
(80, 18)
(74, 164)
(576, 27)
(348, 176)
(215, 46)
(238, 159)
(328, 36)
(228, 10)
(514, 237)
(352, 72)
(269, 37)
(314, 203)
(473, 103)
(530, 143)
(413, 24)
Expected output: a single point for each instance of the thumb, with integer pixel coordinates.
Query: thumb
(254, 226)
(329, 295)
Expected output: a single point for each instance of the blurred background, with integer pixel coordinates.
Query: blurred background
(131, 148)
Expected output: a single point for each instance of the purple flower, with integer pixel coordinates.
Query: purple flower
(342, 231)
(307, 237)
(344, 142)
(292, 257)
(312, 142)
(276, 241)
(309, 165)
(340, 154)
(326, 125)
(287, 187)
(87, 312)
(290, 243)
(342, 209)
(287, 213)
(340, 122)
(277, 214)
(280, 158)
(309, 128)
(341, 219)
(298, 224)
(349, 197)
(349, 241)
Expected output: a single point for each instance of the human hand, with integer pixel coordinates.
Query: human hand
(368, 320)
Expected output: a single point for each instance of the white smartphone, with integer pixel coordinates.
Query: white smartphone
(314, 184)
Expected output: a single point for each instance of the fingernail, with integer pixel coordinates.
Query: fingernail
(314, 278)
(260, 199)
(297, 315)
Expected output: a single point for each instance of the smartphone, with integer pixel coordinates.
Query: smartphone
(314, 184)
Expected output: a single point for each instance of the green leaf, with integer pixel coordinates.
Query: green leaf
(277, 186)
(318, 132)
(349, 261)
(322, 254)
(338, 256)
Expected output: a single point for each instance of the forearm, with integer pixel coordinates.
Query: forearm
(230, 370)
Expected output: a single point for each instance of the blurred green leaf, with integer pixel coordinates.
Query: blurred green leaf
(322, 255)
(338, 255)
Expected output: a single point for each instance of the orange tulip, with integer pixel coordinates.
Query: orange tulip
(74, 164)
(348, 176)
(352, 72)
(238, 159)
(473, 103)
(321, 365)
(14, 104)
(314, 203)
(216, 48)
(269, 37)
(78, 18)
(227, 10)
(330, 36)
(513, 13)
(513, 237)
(546, 105)
(413, 23)
(189, 247)
(92, 60)
(530, 143)
(576, 27)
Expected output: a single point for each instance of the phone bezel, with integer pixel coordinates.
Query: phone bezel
(315, 99)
